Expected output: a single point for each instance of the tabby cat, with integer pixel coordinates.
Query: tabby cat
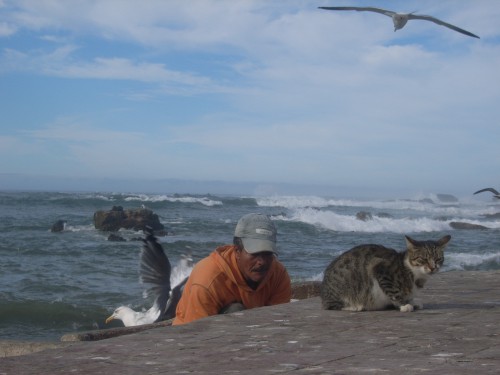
(373, 277)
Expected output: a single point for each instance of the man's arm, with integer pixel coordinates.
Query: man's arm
(199, 303)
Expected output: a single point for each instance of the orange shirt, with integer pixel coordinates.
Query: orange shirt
(216, 282)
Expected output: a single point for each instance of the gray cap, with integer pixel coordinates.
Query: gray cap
(257, 232)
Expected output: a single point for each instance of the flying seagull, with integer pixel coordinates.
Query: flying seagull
(496, 194)
(155, 269)
(400, 19)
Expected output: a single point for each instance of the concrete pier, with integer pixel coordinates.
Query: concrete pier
(458, 332)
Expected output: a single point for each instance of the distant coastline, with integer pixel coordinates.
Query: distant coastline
(41, 183)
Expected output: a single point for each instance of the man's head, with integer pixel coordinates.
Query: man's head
(257, 232)
(255, 238)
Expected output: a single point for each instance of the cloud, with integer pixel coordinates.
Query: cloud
(125, 69)
(6, 29)
(61, 63)
(254, 89)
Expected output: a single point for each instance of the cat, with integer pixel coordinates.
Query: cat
(373, 277)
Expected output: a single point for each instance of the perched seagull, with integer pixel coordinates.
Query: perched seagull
(400, 19)
(155, 269)
(496, 194)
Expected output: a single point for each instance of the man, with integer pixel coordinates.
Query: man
(245, 274)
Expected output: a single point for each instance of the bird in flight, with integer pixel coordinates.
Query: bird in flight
(496, 194)
(400, 19)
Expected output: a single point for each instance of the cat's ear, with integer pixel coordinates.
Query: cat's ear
(444, 240)
(410, 243)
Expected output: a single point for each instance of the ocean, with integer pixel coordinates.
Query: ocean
(57, 283)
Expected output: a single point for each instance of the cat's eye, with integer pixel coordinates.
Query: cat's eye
(419, 261)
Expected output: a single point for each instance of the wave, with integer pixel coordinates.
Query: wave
(465, 208)
(349, 223)
(330, 220)
(174, 199)
(396, 216)
(70, 199)
(78, 228)
(294, 202)
(47, 319)
(467, 261)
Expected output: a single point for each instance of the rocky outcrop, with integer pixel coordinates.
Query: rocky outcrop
(492, 216)
(58, 226)
(305, 289)
(364, 216)
(115, 238)
(460, 225)
(117, 218)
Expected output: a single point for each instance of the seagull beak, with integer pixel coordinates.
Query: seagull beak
(109, 319)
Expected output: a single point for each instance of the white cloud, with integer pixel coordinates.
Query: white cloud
(125, 69)
(296, 88)
(6, 29)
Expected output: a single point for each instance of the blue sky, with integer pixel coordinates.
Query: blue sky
(265, 92)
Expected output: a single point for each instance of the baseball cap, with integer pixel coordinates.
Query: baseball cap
(257, 232)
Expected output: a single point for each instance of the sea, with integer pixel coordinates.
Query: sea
(54, 283)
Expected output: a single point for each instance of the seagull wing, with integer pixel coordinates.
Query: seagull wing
(175, 296)
(412, 16)
(385, 12)
(488, 189)
(155, 269)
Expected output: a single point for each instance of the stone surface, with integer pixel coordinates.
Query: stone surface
(458, 332)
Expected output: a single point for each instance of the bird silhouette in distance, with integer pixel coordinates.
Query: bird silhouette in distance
(155, 269)
(496, 194)
(400, 19)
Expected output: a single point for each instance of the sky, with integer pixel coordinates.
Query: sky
(125, 94)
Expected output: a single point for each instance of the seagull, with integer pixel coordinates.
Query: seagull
(496, 194)
(155, 269)
(400, 19)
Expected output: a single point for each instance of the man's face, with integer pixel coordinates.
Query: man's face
(254, 267)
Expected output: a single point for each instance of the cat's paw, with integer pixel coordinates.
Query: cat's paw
(353, 308)
(406, 308)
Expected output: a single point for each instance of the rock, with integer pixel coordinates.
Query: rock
(492, 216)
(117, 218)
(161, 233)
(135, 238)
(460, 225)
(363, 216)
(426, 200)
(58, 226)
(116, 238)
(384, 215)
(305, 289)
